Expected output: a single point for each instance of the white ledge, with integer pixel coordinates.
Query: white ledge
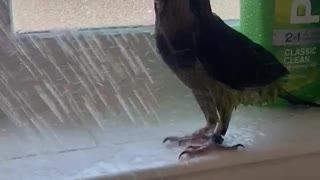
(275, 140)
(284, 140)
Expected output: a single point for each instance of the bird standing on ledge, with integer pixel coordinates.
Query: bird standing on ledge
(221, 66)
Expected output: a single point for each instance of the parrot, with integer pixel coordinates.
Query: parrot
(222, 67)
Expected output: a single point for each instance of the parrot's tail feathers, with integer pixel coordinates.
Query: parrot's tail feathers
(295, 100)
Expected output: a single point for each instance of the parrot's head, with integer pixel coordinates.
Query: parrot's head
(181, 7)
(171, 6)
(176, 15)
(172, 10)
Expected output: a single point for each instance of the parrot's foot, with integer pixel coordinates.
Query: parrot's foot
(212, 145)
(200, 137)
(193, 139)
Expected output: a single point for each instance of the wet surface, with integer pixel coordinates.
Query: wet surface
(132, 147)
(83, 104)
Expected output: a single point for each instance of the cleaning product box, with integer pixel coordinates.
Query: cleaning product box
(291, 30)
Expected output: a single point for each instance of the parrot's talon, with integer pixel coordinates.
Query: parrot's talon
(192, 147)
(169, 139)
(200, 137)
(193, 139)
(238, 145)
(165, 140)
(210, 146)
(183, 153)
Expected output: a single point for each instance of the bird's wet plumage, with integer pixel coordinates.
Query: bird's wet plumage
(221, 66)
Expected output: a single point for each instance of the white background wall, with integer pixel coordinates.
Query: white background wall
(49, 14)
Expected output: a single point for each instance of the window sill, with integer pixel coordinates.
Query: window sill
(272, 137)
(275, 141)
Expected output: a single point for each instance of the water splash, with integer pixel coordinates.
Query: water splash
(44, 96)
(136, 93)
(125, 107)
(64, 79)
(88, 78)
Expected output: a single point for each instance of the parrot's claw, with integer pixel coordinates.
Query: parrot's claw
(211, 146)
(193, 139)
(199, 137)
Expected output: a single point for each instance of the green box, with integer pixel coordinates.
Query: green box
(291, 30)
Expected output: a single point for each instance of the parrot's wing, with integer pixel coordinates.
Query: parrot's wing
(235, 60)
